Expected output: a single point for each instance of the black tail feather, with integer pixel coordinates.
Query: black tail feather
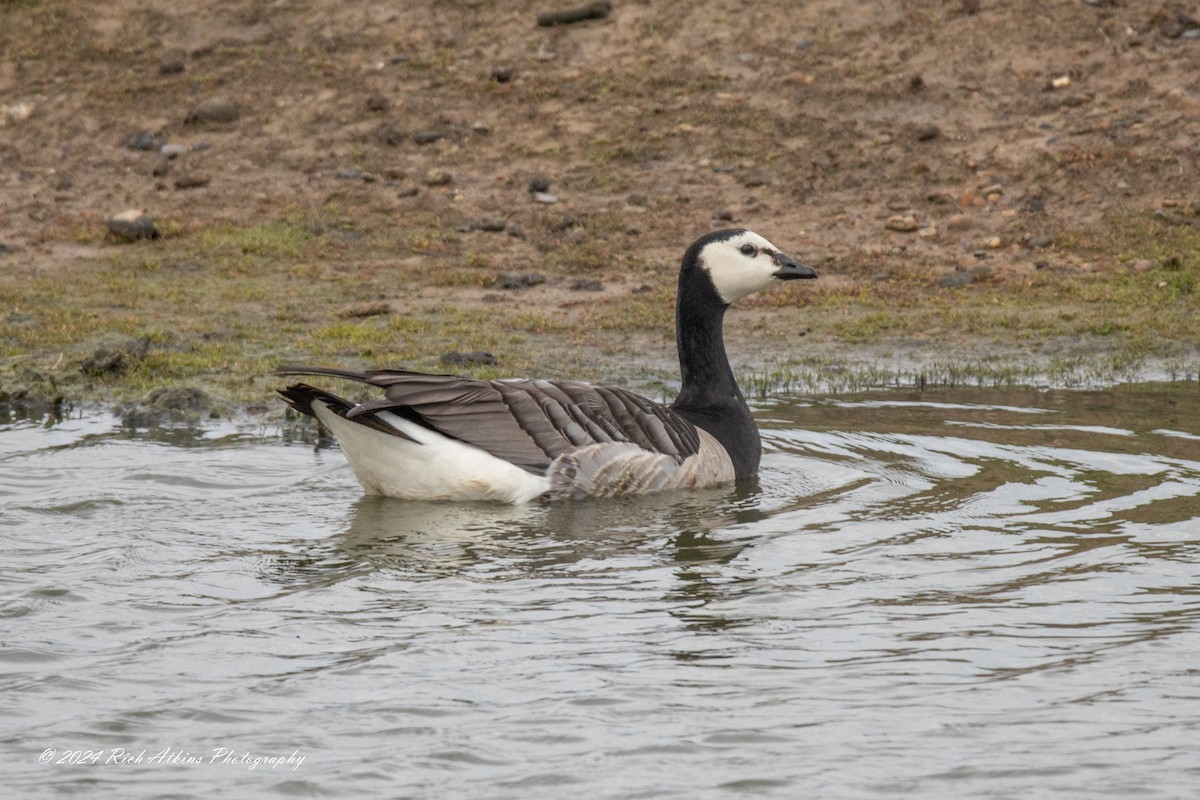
(300, 396)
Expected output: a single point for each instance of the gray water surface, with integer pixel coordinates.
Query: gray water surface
(937, 595)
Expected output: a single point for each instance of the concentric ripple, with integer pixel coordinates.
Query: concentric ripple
(945, 595)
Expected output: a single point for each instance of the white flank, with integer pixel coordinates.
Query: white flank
(432, 468)
(735, 274)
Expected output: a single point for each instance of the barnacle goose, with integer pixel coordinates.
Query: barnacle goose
(444, 437)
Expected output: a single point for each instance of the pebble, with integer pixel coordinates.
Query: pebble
(1143, 265)
(519, 280)
(172, 66)
(544, 197)
(17, 112)
(596, 9)
(904, 223)
(955, 280)
(960, 222)
(994, 243)
(437, 177)
(473, 357)
(192, 181)
(144, 140)
(426, 137)
(1038, 242)
(724, 214)
(927, 232)
(215, 110)
(502, 74)
(586, 285)
(927, 133)
(378, 102)
(175, 150)
(487, 224)
(132, 225)
(539, 183)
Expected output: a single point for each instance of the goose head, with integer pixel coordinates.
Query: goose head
(738, 262)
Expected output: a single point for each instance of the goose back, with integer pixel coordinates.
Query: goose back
(528, 423)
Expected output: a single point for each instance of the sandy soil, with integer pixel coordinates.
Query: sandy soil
(917, 147)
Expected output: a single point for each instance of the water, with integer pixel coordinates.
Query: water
(944, 595)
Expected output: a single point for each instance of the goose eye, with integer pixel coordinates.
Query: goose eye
(749, 250)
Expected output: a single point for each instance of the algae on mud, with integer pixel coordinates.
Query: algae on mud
(1066, 216)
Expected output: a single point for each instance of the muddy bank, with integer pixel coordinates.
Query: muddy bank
(190, 197)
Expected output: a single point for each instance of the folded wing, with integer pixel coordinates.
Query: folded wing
(526, 422)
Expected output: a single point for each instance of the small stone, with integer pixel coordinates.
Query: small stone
(174, 150)
(993, 198)
(1037, 205)
(539, 183)
(960, 222)
(1040, 241)
(927, 133)
(586, 285)
(724, 214)
(192, 181)
(994, 243)
(502, 74)
(132, 225)
(927, 232)
(1060, 82)
(478, 357)
(955, 280)
(519, 280)
(426, 137)
(215, 110)
(172, 66)
(144, 140)
(916, 83)
(544, 197)
(903, 223)
(378, 102)
(596, 9)
(487, 224)
(1143, 265)
(437, 177)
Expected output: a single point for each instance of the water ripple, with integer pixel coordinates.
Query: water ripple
(985, 595)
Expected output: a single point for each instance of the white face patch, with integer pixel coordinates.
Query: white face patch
(740, 265)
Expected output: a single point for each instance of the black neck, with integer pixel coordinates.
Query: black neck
(710, 397)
